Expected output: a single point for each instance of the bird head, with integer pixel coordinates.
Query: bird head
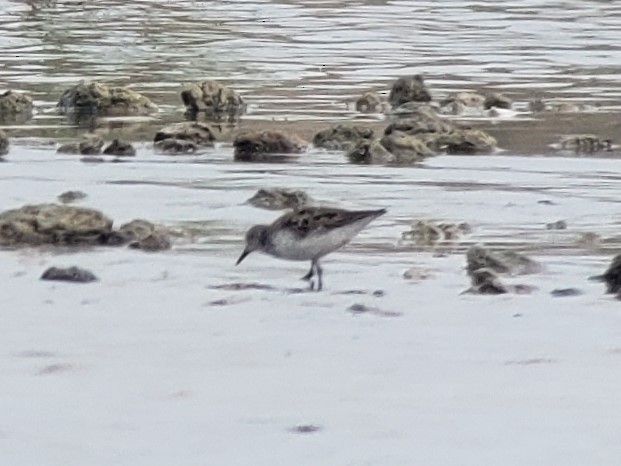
(256, 240)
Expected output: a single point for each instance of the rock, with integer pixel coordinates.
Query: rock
(53, 224)
(460, 142)
(69, 274)
(497, 100)
(56, 368)
(305, 429)
(485, 281)
(411, 109)
(71, 196)
(558, 225)
(588, 240)
(408, 89)
(612, 276)
(15, 107)
(120, 148)
(172, 146)
(405, 148)
(196, 132)
(508, 262)
(260, 146)
(89, 145)
(243, 287)
(422, 120)
(75, 226)
(565, 292)
(341, 137)
(537, 106)
(463, 103)
(92, 159)
(137, 230)
(93, 98)
(364, 309)
(417, 274)
(440, 135)
(586, 143)
(428, 233)
(4, 143)
(370, 102)
(279, 199)
(469, 99)
(213, 99)
(454, 231)
(156, 241)
(370, 151)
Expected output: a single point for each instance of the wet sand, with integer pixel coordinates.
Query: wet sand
(181, 358)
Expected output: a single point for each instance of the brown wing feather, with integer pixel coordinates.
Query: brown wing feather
(317, 219)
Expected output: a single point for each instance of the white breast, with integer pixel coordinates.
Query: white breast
(288, 246)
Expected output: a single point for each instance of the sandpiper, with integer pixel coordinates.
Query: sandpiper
(308, 233)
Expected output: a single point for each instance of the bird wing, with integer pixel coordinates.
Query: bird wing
(315, 220)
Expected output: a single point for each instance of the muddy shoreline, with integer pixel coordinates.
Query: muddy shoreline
(522, 135)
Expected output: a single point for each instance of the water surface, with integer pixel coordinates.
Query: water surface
(308, 59)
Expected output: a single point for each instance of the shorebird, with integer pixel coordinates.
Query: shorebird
(308, 234)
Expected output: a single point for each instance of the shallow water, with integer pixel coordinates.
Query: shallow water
(164, 362)
(310, 59)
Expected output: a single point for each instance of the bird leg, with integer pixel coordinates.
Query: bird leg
(310, 273)
(315, 270)
(319, 272)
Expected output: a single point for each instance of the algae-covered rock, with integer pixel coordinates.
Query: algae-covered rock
(53, 224)
(71, 196)
(279, 199)
(370, 152)
(428, 233)
(63, 225)
(69, 274)
(4, 143)
(213, 99)
(406, 149)
(156, 241)
(370, 102)
(89, 145)
(558, 225)
(585, 144)
(462, 103)
(256, 146)
(486, 281)
(422, 119)
(438, 134)
(137, 229)
(196, 132)
(509, 262)
(497, 100)
(460, 142)
(93, 98)
(120, 149)
(341, 137)
(15, 107)
(172, 146)
(144, 235)
(408, 89)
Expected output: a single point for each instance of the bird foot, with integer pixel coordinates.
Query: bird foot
(315, 287)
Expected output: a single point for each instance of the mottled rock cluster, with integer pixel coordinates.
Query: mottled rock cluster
(64, 225)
